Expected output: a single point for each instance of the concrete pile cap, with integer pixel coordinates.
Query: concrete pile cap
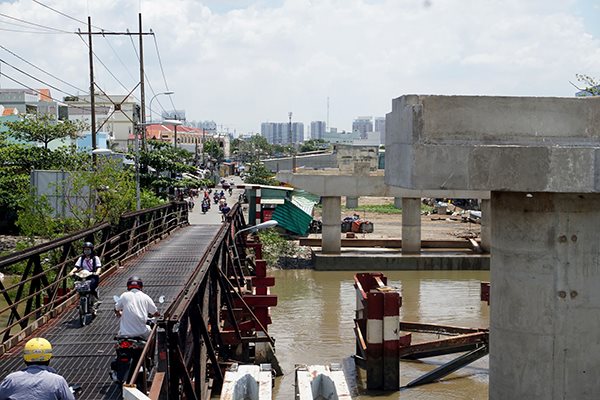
(517, 144)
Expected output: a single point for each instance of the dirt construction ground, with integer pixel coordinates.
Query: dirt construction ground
(433, 226)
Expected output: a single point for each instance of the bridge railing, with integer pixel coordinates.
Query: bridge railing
(36, 286)
(188, 338)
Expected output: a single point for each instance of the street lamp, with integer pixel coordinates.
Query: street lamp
(168, 92)
(264, 225)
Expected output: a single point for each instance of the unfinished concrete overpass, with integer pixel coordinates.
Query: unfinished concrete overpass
(332, 185)
(540, 158)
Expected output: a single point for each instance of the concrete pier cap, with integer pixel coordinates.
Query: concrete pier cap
(539, 157)
(516, 144)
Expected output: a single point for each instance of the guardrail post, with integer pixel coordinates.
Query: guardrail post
(391, 335)
(374, 340)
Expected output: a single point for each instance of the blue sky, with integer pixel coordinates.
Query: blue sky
(244, 62)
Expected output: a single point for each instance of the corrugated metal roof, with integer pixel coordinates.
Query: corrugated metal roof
(296, 215)
(292, 218)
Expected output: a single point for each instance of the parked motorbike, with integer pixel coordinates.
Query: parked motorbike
(129, 350)
(87, 301)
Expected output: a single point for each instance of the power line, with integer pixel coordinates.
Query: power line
(42, 94)
(104, 65)
(36, 79)
(119, 58)
(146, 76)
(162, 70)
(34, 24)
(34, 32)
(64, 14)
(39, 69)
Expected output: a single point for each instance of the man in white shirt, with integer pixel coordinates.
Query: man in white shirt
(134, 307)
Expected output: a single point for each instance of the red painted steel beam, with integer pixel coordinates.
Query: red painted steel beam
(485, 292)
(265, 300)
(438, 329)
(444, 344)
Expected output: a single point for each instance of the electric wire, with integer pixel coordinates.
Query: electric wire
(147, 80)
(34, 24)
(36, 79)
(119, 58)
(162, 71)
(105, 67)
(43, 94)
(40, 69)
(34, 32)
(65, 15)
(108, 69)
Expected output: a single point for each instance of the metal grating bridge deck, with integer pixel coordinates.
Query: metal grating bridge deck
(83, 354)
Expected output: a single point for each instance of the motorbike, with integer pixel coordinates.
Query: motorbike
(75, 389)
(205, 207)
(87, 301)
(129, 350)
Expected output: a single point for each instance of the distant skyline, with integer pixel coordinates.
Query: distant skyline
(244, 62)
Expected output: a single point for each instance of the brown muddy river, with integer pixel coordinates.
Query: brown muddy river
(313, 324)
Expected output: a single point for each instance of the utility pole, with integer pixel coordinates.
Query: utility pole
(142, 93)
(92, 99)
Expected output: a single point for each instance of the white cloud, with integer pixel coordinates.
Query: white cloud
(240, 66)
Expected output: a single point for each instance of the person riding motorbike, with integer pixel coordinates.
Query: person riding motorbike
(133, 307)
(38, 381)
(90, 262)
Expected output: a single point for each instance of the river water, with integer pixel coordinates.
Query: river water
(313, 324)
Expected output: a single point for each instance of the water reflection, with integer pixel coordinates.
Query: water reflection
(313, 324)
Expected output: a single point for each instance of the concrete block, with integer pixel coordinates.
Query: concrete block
(538, 144)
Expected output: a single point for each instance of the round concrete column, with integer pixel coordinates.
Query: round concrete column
(486, 226)
(331, 237)
(411, 225)
(351, 202)
(545, 298)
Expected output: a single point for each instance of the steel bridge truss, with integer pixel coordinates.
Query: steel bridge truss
(42, 290)
(191, 353)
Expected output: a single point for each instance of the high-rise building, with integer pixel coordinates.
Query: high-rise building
(317, 129)
(363, 125)
(279, 132)
(380, 127)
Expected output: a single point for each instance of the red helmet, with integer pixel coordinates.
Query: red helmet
(134, 282)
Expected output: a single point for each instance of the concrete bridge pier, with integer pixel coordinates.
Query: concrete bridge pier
(545, 277)
(351, 202)
(332, 238)
(545, 296)
(539, 157)
(486, 225)
(411, 225)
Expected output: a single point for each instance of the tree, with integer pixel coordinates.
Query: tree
(592, 86)
(43, 129)
(214, 150)
(314, 145)
(258, 174)
(167, 162)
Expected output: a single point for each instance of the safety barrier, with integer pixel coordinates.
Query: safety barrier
(42, 289)
(220, 317)
(377, 330)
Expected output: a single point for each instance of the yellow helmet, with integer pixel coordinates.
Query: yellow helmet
(37, 350)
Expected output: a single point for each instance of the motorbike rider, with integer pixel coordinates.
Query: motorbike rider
(38, 381)
(133, 307)
(90, 262)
